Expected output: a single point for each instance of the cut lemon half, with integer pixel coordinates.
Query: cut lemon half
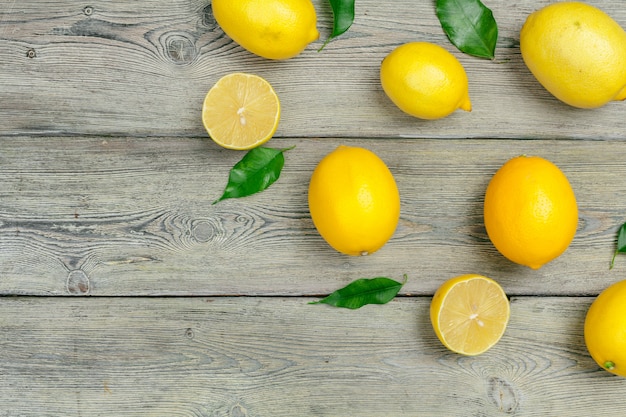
(241, 111)
(469, 314)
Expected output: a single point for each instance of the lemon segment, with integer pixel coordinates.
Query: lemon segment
(425, 80)
(577, 52)
(272, 29)
(241, 111)
(469, 314)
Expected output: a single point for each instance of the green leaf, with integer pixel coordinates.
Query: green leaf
(343, 17)
(256, 171)
(364, 291)
(621, 244)
(470, 26)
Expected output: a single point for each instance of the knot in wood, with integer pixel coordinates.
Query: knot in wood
(242, 219)
(503, 395)
(180, 49)
(203, 232)
(77, 282)
(208, 20)
(238, 411)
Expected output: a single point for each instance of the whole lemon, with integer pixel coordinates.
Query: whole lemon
(354, 201)
(577, 52)
(605, 329)
(273, 29)
(425, 81)
(530, 211)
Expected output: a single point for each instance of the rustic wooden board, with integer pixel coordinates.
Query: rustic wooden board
(137, 69)
(106, 185)
(282, 357)
(117, 216)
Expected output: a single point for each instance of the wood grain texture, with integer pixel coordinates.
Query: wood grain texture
(121, 216)
(132, 69)
(282, 357)
(124, 292)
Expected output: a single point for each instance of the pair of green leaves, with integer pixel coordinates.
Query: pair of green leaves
(469, 24)
(364, 291)
(259, 169)
(255, 172)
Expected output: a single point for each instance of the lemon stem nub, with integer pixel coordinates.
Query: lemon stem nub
(609, 365)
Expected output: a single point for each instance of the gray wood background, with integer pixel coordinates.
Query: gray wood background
(126, 293)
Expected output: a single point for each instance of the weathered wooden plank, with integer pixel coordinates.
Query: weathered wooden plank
(132, 69)
(282, 357)
(106, 189)
(117, 216)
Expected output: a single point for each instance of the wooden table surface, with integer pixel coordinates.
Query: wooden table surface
(126, 293)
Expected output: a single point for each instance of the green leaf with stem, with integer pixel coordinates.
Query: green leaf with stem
(256, 171)
(364, 291)
(343, 17)
(621, 244)
(469, 25)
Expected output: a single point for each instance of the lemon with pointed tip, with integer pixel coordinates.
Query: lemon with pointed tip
(577, 52)
(272, 29)
(425, 80)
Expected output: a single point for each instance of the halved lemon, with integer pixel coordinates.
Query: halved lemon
(469, 314)
(241, 111)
